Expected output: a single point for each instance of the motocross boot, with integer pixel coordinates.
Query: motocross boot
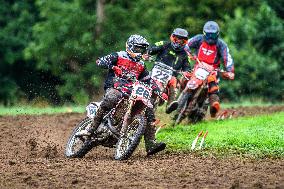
(214, 104)
(95, 124)
(172, 103)
(109, 101)
(181, 101)
(151, 145)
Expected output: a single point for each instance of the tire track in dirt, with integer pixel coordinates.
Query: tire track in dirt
(32, 156)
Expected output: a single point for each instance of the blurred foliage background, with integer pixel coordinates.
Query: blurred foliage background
(48, 48)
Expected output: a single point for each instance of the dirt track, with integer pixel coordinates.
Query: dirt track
(32, 150)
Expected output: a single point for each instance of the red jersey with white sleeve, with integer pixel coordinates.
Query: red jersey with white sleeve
(212, 54)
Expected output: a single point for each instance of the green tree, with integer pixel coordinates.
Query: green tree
(62, 39)
(257, 48)
(63, 44)
(16, 19)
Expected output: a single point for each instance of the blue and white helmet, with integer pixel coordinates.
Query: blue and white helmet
(136, 46)
(211, 32)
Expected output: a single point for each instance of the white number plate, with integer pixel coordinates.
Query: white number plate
(91, 110)
(161, 75)
(141, 92)
(201, 73)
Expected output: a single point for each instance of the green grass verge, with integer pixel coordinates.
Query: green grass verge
(259, 136)
(39, 110)
(29, 109)
(249, 104)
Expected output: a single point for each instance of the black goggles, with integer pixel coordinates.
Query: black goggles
(139, 49)
(178, 39)
(211, 35)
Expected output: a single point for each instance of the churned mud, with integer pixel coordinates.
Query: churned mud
(32, 156)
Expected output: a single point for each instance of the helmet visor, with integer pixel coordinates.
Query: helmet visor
(140, 49)
(179, 40)
(211, 35)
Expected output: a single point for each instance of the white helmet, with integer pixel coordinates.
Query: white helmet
(136, 46)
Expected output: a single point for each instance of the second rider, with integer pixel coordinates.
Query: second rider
(172, 54)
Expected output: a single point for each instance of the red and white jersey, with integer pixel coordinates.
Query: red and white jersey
(211, 54)
(127, 65)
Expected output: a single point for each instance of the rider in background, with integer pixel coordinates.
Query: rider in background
(120, 62)
(210, 49)
(172, 53)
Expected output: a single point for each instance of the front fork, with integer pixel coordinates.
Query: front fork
(191, 104)
(129, 115)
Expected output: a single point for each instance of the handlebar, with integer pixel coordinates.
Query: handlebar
(195, 58)
(148, 57)
(191, 56)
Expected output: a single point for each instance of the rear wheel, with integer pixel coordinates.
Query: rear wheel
(78, 147)
(129, 140)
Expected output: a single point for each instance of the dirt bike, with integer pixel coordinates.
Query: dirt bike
(196, 107)
(161, 74)
(122, 127)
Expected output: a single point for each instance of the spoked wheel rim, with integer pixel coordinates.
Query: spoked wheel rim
(180, 115)
(125, 141)
(76, 143)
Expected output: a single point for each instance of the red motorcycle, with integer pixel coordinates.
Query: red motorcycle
(196, 107)
(121, 128)
(161, 74)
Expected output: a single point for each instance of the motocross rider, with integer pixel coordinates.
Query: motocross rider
(128, 61)
(172, 53)
(210, 49)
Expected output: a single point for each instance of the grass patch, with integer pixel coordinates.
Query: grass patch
(46, 109)
(39, 110)
(249, 104)
(259, 136)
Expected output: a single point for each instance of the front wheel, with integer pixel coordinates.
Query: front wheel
(130, 139)
(180, 116)
(78, 147)
(195, 117)
(200, 113)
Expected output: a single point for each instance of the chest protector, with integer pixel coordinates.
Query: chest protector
(130, 66)
(208, 53)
